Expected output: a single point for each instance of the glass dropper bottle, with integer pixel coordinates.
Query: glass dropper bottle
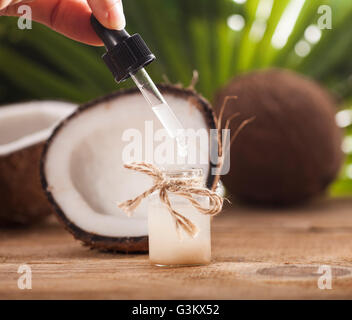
(126, 57)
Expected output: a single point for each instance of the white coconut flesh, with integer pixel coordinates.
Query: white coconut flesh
(84, 166)
(25, 124)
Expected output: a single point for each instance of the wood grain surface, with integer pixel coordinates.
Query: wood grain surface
(257, 254)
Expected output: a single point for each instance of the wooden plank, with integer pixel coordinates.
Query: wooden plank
(263, 254)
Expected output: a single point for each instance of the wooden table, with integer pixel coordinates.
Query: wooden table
(263, 254)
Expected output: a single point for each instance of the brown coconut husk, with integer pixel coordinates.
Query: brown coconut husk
(23, 201)
(25, 126)
(293, 151)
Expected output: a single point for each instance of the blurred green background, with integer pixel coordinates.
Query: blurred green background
(219, 38)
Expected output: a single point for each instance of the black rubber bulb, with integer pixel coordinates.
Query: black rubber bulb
(125, 53)
(110, 37)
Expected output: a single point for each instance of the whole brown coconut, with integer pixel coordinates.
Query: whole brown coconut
(292, 151)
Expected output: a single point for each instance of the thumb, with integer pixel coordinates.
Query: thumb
(109, 13)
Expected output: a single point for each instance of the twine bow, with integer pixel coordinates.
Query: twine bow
(184, 188)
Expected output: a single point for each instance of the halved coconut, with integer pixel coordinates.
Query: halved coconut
(24, 128)
(82, 165)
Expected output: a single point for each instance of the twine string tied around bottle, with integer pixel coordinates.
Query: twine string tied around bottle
(180, 187)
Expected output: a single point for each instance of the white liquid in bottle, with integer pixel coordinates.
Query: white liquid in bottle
(169, 246)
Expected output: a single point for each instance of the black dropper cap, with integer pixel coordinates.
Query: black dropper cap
(125, 54)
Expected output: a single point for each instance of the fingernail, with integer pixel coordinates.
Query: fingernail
(116, 16)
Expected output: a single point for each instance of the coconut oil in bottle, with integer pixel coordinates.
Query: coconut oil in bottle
(169, 246)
